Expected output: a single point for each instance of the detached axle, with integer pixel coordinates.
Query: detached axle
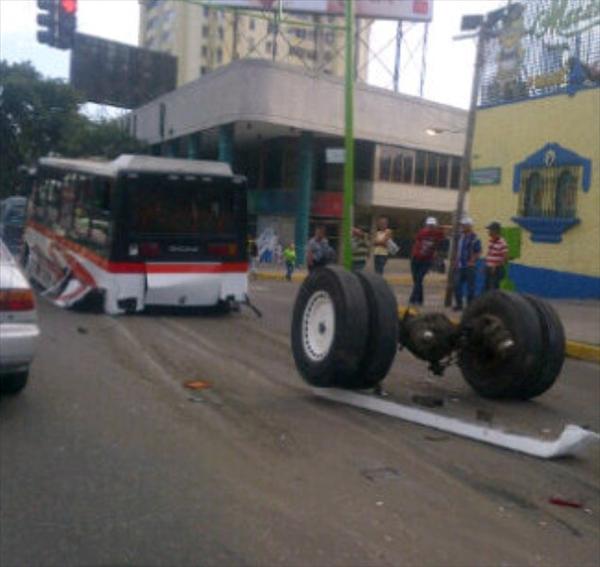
(345, 334)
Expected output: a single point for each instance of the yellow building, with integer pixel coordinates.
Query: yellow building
(204, 38)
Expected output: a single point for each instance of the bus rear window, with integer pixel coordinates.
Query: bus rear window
(159, 205)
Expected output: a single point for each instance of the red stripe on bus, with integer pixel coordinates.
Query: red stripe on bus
(196, 268)
(138, 267)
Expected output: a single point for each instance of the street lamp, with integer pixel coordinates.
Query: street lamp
(431, 131)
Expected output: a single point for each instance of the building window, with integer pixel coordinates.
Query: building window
(204, 51)
(221, 32)
(252, 24)
(219, 55)
(550, 192)
(204, 31)
(269, 47)
(329, 37)
(162, 119)
(455, 172)
(205, 11)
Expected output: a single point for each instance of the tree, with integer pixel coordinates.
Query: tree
(39, 116)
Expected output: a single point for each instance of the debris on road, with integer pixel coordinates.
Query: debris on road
(566, 503)
(82, 330)
(197, 385)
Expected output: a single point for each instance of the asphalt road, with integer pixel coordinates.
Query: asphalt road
(106, 459)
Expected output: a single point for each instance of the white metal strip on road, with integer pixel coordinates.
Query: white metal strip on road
(572, 440)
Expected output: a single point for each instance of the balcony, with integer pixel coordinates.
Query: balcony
(383, 194)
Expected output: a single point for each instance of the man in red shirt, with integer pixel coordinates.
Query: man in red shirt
(497, 256)
(425, 247)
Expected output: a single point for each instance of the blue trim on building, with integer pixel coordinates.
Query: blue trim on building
(546, 229)
(563, 157)
(554, 284)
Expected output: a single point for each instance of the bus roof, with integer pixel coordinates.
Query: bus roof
(140, 164)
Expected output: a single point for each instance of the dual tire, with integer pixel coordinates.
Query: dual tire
(344, 329)
(534, 360)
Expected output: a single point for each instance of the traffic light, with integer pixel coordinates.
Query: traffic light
(67, 23)
(58, 19)
(48, 20)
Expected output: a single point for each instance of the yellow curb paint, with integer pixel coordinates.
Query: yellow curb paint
(583, 351)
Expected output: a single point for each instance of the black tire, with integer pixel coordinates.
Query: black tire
(338, 363)
(14, 382)
(501, 377)
(382, 337)
(553, 349)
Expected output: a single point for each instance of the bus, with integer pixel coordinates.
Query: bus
(137, 231)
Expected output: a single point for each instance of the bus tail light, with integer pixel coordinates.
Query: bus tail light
(16, 300)
(222, 250)
(149, 249)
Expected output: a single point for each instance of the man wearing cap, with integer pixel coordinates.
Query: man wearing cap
(497, 256)
(467, 254)
(426, 245)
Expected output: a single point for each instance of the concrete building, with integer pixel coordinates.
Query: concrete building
(284, 131)
(205, 38)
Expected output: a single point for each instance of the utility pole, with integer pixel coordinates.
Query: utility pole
(398, 57)
(465, 170)
(348, 208)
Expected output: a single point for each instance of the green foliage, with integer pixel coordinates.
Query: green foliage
(39, 116)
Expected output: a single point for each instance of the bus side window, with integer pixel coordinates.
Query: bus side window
(67, 208)
(81, 218)
(100, 214)
(53, 204)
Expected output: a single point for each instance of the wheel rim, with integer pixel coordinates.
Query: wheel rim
(318, 326)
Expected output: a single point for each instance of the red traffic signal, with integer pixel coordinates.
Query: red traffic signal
(68, 6)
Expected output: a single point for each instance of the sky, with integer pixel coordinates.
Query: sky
(449, 63)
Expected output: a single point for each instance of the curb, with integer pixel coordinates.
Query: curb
(574, 349)
(394, 279)
(583, 351)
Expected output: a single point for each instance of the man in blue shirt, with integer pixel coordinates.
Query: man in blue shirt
(467, 254)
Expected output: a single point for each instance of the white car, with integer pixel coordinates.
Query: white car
(19, 331)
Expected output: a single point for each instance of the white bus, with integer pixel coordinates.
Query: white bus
(138, 231)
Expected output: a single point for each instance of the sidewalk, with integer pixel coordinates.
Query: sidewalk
(581, 318)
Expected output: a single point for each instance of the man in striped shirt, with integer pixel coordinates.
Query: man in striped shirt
(497, 256)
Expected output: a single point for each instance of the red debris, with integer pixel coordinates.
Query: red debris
(566, 503)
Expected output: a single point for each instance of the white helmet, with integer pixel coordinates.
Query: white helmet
(467, 221)
(431, 221)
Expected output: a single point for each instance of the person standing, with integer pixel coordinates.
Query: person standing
(360, 249)
(467, 254)
(497, 256)
(318, 251)
(289, 257)
(427, 243)
(380, 251)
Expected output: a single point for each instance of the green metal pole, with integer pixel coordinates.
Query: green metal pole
(348, 210)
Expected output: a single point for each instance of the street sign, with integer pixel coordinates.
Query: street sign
(410, 10)
(107, 72)
(486, 176)
(335, 155)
